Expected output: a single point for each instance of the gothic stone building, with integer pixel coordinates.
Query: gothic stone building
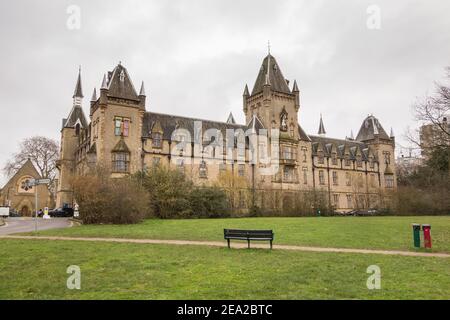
(17, 195)
(123, 136)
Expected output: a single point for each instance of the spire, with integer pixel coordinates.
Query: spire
(142, 91)
(270, 74)
(321, 127)
(267, 82)
(352, 137)
(94, 95)
(104, 83)
(246, 94)
(295, 87)
(230, 119)
(392, 135)
(78, 93)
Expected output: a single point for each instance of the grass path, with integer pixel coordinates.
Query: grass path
(378, 233)
(237, 245)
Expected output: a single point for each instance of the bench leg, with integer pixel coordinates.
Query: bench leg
(248, 243)
(228, 243)
(270, 244)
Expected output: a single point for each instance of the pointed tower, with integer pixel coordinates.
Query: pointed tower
(142, 96)
(321, 131)
(272, 100)
(245, 96)
(78, 92)
(383, 146)
(118, 114)
(71, 130)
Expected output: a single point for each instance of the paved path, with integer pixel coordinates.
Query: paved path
(17, 225)
(238, 245)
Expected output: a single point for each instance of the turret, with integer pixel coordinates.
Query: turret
(142, 96)
(296, 92)
(104, 91)
(245, 96)
(94, 97)
(78, 92)
(392, 135)
(321, 131)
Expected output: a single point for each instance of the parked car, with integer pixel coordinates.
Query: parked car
(61, 212)
(13, 213)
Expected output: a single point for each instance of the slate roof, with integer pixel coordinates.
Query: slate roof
(78, 92)
(328, 145)
(75, 114)
(119, 84)
(302, 134)
(275, 76)
(169, 123)
(370, 129)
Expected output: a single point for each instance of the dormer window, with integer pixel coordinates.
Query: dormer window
(122, 76)
(321, 157)
(334, 159)
(156, 140)
(347, 160)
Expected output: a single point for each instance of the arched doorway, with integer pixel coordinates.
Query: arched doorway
(25, 211)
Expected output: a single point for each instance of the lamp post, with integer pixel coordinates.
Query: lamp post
(35, 183)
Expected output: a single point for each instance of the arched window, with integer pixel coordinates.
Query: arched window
(77, 129)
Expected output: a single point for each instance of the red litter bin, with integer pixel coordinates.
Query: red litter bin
(427, 235)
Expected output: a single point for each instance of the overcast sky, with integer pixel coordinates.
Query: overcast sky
(195, 58)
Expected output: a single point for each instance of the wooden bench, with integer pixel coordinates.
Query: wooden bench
(258, 235)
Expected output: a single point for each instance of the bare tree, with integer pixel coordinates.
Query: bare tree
(433, 112)
(42, 151)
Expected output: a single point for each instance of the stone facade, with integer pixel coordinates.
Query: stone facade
(124, 137)
(16, 195)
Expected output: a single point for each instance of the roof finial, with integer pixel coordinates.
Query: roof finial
(268, 46)
(321, 131)
(94, 95)
(230, 119)
(104, 83)
(78, 93)
(352, 137)
(142, 91)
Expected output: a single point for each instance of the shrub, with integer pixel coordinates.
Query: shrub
(103, 199)
(209, 202)
(168, 192)
(173, 195)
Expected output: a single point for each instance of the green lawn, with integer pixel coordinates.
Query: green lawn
(345, 232)
(36, 269)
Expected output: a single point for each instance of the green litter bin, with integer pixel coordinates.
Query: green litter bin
(416, 235)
